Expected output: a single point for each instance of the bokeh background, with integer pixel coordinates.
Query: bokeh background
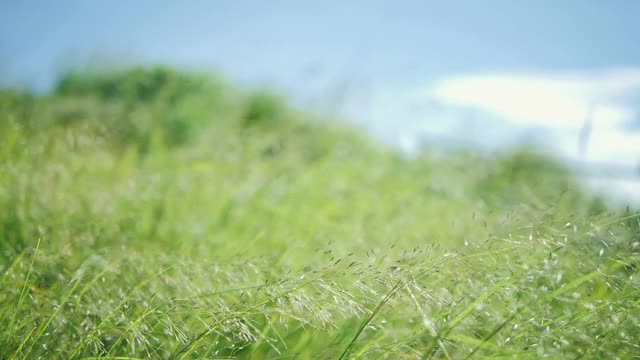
(563, 76)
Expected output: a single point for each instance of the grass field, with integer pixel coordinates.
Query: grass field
(149, 213)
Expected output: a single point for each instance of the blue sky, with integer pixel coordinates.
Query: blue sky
(399, 42)
(406, 70)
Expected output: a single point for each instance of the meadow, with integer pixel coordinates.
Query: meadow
(149, 213)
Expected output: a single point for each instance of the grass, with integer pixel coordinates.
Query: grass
(149, 213)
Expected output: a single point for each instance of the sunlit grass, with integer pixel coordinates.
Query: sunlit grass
(152, 214)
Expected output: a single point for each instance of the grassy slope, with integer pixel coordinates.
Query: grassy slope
(148, 213)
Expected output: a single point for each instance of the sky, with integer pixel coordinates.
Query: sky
(487, 73)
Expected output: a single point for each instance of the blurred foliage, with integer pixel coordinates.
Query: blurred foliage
(141, 103)
(265, 109)
(159, 214)
(132, 86)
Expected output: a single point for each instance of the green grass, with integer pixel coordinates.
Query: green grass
(149, 213)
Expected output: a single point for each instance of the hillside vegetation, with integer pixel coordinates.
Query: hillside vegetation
(150, 213)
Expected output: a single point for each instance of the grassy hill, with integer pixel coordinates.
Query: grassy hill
(149, 213)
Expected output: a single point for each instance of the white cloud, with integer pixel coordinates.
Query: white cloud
(609, 146)
(504, 108)
(560, 100)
